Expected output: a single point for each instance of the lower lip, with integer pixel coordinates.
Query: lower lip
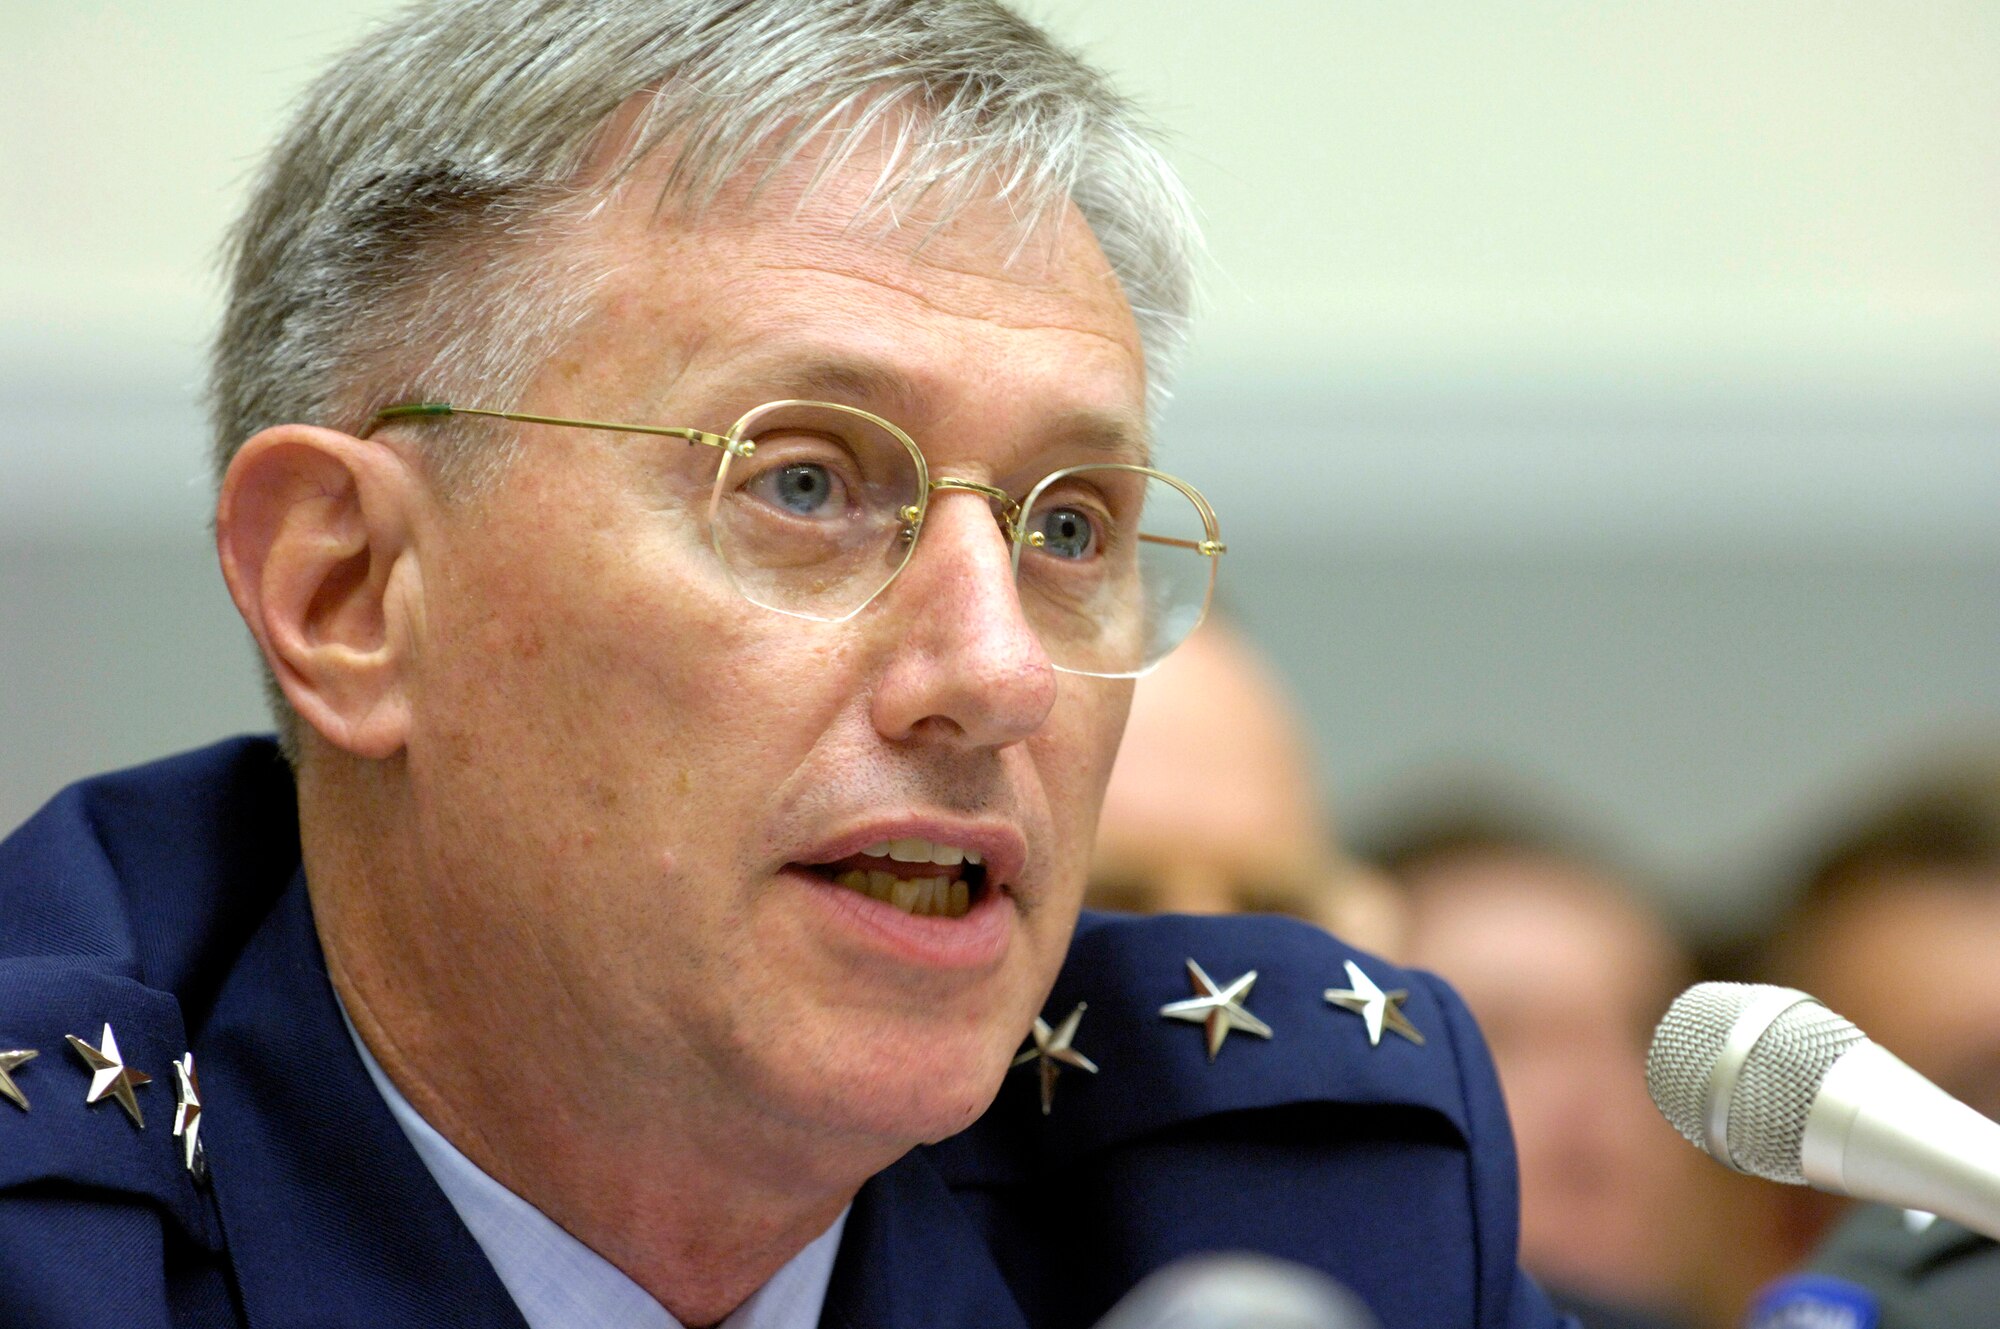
(976, 941)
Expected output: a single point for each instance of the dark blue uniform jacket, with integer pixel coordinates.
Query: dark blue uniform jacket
(168, 901)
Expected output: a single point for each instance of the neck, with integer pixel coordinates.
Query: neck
(667, 1169)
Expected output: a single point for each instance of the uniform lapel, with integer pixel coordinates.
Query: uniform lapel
(330, 1217)
(911, 1259)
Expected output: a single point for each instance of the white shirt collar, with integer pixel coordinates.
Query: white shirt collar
(556, 1280)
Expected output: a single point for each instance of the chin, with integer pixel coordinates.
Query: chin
(910, 1091)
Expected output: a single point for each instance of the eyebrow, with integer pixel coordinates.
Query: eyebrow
(1110, 435)
(852, 380)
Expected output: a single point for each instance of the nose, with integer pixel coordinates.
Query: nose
(965, 667)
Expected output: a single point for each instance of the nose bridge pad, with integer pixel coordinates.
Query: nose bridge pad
(1006, 512)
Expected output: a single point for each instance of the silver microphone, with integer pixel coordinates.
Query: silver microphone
(1237, 1292)
(1769, 1082)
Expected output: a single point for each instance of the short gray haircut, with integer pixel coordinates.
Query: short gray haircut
(396, 244)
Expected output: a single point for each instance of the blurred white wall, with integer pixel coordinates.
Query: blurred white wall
(1601, 390)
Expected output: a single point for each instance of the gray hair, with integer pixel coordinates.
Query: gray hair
(395, 245)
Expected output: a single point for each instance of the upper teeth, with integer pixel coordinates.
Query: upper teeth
(921, 851)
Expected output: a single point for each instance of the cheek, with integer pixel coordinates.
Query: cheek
(552, 697)
(1073, 752)
(605, 684)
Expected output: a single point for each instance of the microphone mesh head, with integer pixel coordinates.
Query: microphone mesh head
(1774, 1095)
(1774, 1089)
(1685, 1048)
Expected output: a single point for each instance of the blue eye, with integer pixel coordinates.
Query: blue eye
(803, 488)
(1064, 532)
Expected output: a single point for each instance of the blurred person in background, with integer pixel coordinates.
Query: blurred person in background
(1911, 887)
(1568, 970)
(1896, 925)
(1214, 805)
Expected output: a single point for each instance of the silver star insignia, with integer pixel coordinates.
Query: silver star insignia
(1379, 1010)
(1053, 1051)
(8, 1089)
(187, 1117)
(1219, 1009)
(112, 1076)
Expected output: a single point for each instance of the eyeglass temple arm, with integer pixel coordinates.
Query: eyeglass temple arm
(1206, 548)
(424, 409)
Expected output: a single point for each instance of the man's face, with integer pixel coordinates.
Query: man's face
(640, 788)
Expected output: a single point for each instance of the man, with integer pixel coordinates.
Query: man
(1214, 806)
(691, 816)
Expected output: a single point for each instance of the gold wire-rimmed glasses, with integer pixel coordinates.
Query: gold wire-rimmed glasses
(816, 507)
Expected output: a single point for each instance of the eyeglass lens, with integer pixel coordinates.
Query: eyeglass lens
(815, 522)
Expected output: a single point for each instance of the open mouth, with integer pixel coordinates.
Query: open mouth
(922, 877)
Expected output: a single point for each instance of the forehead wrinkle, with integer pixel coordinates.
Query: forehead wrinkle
(976, 312)
(754, 294)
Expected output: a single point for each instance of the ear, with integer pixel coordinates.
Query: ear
(315, 531)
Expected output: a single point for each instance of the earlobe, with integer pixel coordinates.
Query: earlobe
(315, 533)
